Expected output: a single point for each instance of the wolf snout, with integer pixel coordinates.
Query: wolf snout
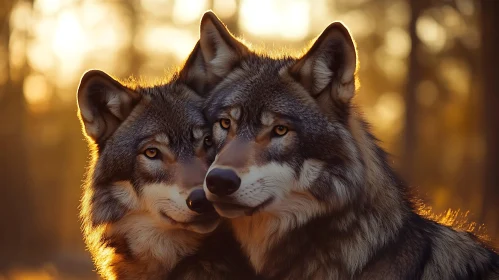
(197, 202)
(222, 182)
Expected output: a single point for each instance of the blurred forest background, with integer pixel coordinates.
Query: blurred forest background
(429, 87)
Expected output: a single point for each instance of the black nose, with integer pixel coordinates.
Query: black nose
(222, 181)
(196, 201)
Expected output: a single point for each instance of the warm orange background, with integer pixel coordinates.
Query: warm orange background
(421, 89)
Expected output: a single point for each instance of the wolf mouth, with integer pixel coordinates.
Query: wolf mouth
(204, 219)
(260, 206)
(248, 211)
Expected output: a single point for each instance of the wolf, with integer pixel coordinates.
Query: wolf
(307, 189)
(144, 212)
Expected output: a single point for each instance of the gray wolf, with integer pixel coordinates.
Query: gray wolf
(308, 191)
(144, 211)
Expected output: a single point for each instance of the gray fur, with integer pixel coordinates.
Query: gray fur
(321, 202)
(135, 219)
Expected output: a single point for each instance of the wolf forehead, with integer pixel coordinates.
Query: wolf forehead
(172, 107)
(260, 85)
(172, 110)
(172, 113)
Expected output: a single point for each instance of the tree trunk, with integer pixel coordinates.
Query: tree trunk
(134, 58)
(17, 236)
(413, 79)
(490, 61)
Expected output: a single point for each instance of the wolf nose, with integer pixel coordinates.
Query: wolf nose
(222, 181)
(197, 202)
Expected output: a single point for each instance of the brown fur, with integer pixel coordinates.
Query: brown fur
(320, 202)
(136, 222)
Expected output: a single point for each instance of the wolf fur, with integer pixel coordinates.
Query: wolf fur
(320, 201)
(136, 222)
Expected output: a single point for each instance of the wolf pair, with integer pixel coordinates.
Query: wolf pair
(277, 146)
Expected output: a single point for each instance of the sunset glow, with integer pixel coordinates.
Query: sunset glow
(286, 19)
(422, 90)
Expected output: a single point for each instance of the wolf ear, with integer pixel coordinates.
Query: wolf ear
(331, 63)
(214, 56)
(103, 104)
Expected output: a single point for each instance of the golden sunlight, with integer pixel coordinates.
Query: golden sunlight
(51, 7)
(40, 58)
(456, 76)
(389, 109)
(225, 8)
(423, 69)
(360, 23)
(156, 7)
(431, 33)
(392, 66)
(30, 275)
(188, 11)
(397, 42)
(288, 20)
(106, 27)
(156, 40)
(36, 91)
(17, 47)
(69, 41)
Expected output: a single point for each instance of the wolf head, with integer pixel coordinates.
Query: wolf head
(281, 125)
(152, 148)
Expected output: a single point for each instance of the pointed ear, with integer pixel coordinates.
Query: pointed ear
(214, 56)
(330, 64)
(103, 104)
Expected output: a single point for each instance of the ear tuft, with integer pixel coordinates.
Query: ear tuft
(103, 104)
(331, 61)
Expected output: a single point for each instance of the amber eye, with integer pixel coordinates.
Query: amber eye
(208, 141)
(225, 123)
(280, 130)
(151, 153)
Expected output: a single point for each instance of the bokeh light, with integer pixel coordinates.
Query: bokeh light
(52, 42)
(286, 19)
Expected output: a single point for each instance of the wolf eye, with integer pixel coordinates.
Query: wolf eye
(151, 153)
(225, 123)
(280, 130)
(208, 141)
